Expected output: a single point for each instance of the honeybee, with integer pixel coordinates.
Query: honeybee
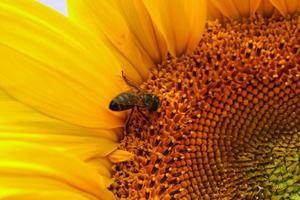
(134, 99)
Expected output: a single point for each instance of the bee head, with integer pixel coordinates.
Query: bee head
(152, 102)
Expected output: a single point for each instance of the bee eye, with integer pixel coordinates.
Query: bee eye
(152, 102)
(155, 103)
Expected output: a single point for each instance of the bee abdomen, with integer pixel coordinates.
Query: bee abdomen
(114, 106)
(123, 101)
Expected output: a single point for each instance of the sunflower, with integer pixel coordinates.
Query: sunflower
(227, 127)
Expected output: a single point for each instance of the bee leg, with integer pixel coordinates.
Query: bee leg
(128, 121)
(145, 117)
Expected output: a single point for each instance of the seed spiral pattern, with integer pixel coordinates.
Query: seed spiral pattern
(229, 123)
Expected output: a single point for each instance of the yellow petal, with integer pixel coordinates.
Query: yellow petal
(141, 25)
(96, 148)
(237, 8)
(227, 8)
(19, 118)
(55, 67)
(287, 6)
(33, 168)
(40, 195)
(266, 8)
(102, 165)
(181, 22)
(104, 19)
(120, 156)
(21, 123)
(213, 12)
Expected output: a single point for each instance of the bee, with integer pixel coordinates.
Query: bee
(133, 99)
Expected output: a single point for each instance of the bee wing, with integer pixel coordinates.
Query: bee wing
(136, 99)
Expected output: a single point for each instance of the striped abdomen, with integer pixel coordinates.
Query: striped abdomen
(125, 101)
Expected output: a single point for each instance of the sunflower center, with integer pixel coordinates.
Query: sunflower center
(229, 122)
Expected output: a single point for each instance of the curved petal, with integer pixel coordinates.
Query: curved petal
(34, 168)
(21, 123)
(40, 195)
(213, 12)
(286, 7)
(55, 67)
(181, 22)
(120, 156)
(237, 8)
(148, 38)
(101, 165)
(266, 8)
(104, 19)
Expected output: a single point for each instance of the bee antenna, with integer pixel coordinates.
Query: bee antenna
(129, 82)
(124, 76)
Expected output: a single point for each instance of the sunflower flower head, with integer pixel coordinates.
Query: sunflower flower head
(229, 122)
(228, 127)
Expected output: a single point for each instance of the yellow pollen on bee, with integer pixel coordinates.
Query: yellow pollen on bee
(229, 122)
